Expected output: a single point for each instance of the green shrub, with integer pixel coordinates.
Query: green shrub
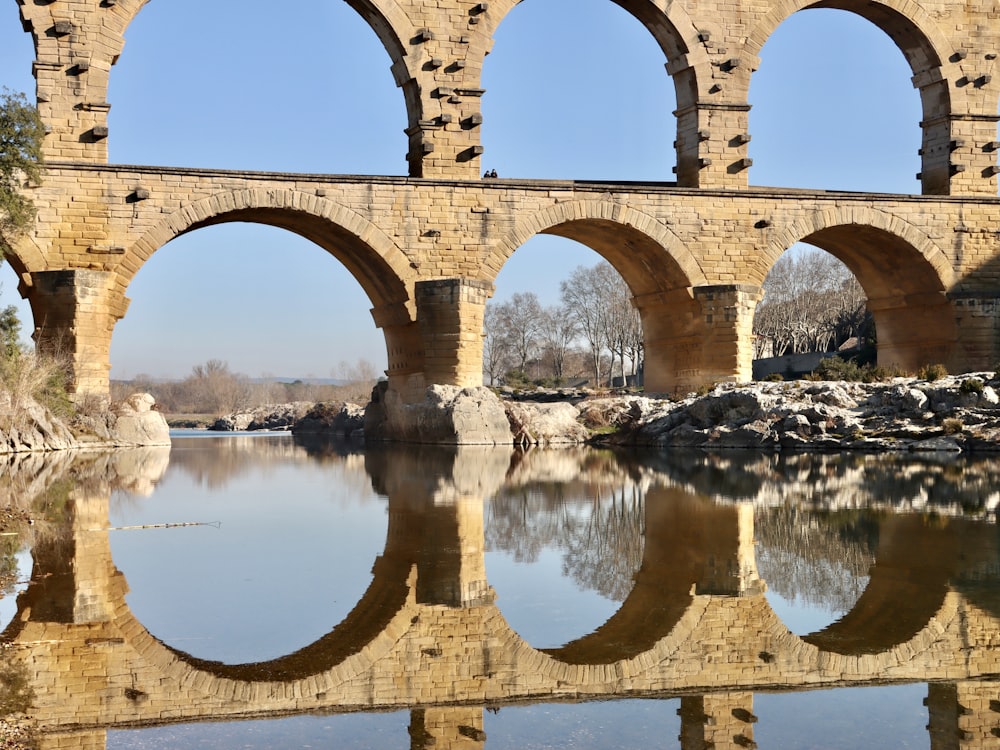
(775, 377)
(952, 426)
(932, 372)
(837, 368)
(971, 385)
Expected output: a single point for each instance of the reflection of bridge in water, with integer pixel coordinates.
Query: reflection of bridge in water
(428, 637)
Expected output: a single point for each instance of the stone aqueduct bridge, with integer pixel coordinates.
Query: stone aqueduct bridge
(428, 637)
(427, 248)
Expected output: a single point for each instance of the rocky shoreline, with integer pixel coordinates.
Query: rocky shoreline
(951, 414)
(132, 422)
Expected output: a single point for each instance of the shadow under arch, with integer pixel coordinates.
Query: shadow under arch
(905, 276)
(916, 565)
(646, 253)
(917, 36)
(370, 256)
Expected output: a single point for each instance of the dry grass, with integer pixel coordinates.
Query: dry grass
(27, 378)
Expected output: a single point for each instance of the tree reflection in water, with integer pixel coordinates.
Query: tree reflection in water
(598, 531)
(674, 546)
(822, 559)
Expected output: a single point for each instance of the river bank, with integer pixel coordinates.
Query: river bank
(30, 428)
(951, 414)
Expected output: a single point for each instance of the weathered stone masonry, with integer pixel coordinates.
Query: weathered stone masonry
(427, 248)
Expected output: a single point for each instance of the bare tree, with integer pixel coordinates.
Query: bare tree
(812, 303)
(358, 379)
(583, 295)
(217, 389)
(601, 302)
(558, 332)
(521, 320)
(496, 347)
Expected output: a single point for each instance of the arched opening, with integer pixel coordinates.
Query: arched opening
(904, 279)
(16, 55)
(834, 107)
(563, 555)
(917, 560)
(816, 564)
(267, 303)
(652, 293)
(813, 308)
(561, 316)
(575, 114)
(253, 598)
(256, 90)
(15, 312)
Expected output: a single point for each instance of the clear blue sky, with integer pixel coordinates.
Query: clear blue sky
(243, 88)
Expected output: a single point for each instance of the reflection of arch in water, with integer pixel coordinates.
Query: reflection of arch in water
(895, 618)
(703, 616)
(422, 564)
(363, 636)
(692, 546)
(915, 566)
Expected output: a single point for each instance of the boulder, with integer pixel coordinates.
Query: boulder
(545, 424)
(269, 417)
(447, 415)
(133, 422)
(137, 423)
(735, 406)
(339, 420)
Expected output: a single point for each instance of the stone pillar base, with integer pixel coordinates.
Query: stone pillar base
(977, 318)
(698, 336)
(446, 415)
(450, 315)
(914, 331)
(719, 720)
(75, 313)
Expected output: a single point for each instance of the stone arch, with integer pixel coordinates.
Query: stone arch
(904, 274)
(367, 633)
(646, 253)
(833, 227)
(924, 46)
(385, 17)
(370, 255)
(848, 664)
(912, 30)
(672, 28)
(656, 265)
(682, 632)
(26, 257)
(682, 532)
(370, 630)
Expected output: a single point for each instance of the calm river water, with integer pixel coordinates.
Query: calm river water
(321, 596)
